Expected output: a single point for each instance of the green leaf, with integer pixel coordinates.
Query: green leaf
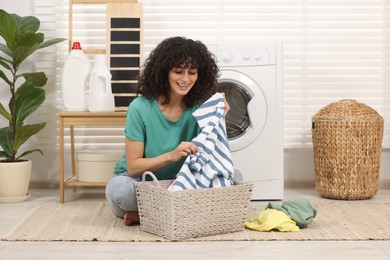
(4, 64)
(50, 42)
(38, 79)
(28, 45)
(27, 99)
(3, 154)
(28, 152)
(5, 113)
(6, 141)
(29, 39)
(8, 28)
(23, 133)
(21, 53)
(28, 23)
(4, 77)
(6, 50)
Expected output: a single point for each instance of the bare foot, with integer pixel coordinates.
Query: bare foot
(131, 218)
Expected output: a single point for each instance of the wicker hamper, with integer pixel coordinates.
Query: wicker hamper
(178, 215)
(347, 141)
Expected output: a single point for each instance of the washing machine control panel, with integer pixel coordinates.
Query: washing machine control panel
(244, 55)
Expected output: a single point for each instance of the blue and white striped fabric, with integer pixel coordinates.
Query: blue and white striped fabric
(212, 165)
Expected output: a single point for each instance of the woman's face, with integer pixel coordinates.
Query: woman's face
(182, 79)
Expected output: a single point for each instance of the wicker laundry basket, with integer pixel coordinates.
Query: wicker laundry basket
(178, 215)
(347, 141)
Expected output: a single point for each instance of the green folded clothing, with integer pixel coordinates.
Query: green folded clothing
(299, 210)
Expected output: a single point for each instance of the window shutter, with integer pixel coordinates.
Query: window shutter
(332, 50)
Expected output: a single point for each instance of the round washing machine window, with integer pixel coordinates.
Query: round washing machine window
(237, 120)
(248, 109)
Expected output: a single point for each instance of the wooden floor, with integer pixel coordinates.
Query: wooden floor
(11, 215)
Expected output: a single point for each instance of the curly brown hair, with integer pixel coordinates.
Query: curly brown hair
(178, 52)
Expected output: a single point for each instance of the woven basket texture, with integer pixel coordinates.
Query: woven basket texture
(178, 215)
(347, 142)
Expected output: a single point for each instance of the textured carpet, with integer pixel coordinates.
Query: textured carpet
(334, 221)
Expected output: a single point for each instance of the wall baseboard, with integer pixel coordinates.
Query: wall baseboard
(293, 183)
(288, 183)
(299, 169)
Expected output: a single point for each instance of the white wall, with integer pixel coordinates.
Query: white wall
(299, 166)
(20, 7)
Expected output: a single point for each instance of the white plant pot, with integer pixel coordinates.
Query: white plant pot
(14, 180)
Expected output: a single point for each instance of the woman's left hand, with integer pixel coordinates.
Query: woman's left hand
(227, 107)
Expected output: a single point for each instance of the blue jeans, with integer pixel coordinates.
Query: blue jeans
(121, 195)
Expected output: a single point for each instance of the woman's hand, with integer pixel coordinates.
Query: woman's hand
(227, 107)
(137, 164)
(183, 150)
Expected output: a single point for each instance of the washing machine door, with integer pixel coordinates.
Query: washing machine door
(248, 108)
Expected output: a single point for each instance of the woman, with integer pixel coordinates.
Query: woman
(178, 76)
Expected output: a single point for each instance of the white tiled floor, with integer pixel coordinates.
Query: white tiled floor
(11, 215)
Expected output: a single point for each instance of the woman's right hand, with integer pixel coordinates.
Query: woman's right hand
(137, 164)
(183, 150)
(227, 106)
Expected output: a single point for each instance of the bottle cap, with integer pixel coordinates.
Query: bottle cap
(76, 46)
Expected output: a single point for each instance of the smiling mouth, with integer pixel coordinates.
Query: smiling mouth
(183, 86)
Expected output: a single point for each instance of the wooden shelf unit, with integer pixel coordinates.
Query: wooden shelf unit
(75, 119)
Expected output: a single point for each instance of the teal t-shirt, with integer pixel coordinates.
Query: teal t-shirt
(146, 123)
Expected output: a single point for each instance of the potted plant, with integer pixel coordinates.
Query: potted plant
(20, 40)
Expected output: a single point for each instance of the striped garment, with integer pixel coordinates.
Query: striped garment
(212, 165)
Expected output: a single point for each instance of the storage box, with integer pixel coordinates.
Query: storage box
(97, 165)
(347, 141)
(177, 215)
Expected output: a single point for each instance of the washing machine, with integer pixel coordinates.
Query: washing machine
(251, 78)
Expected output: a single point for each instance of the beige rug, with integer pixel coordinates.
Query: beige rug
(334, 221)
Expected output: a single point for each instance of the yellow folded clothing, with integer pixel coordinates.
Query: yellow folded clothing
(271, 219)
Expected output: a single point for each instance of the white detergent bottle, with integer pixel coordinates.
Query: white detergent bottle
(100, 98)
(75, 75)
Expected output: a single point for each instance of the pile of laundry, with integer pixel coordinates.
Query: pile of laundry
(290, 216)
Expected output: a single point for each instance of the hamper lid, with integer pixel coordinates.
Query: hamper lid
(99, 155)
(347, 110)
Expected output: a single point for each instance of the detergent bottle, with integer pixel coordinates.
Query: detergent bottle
(100, 98)
(75, 76)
